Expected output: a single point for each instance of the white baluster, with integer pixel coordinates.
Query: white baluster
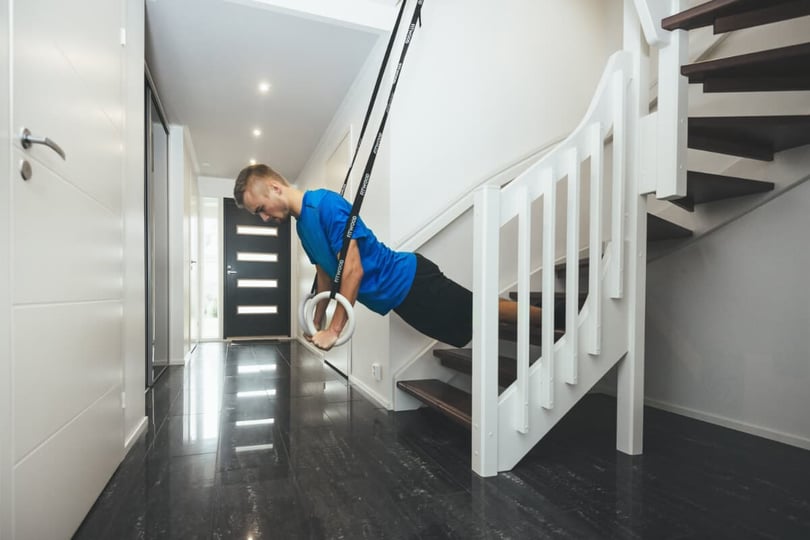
(596, 143)
(485, 332)
(549, 237)
(572, 268)
(619, 172)
(524, 273)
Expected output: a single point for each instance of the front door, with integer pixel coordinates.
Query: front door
(257, 275)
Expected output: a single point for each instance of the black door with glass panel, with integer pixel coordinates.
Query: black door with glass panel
(257, 275)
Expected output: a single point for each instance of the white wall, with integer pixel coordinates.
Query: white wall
(485, 85)
(134, 331)
(728, 320)
(211, 186)
(190, 213)
(182, 177)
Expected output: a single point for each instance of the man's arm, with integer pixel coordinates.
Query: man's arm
(349, 286)
(323, 283)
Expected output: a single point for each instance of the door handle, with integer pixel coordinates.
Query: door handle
(27, 140)
(232, 272)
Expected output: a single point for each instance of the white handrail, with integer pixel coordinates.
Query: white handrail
(650, 13)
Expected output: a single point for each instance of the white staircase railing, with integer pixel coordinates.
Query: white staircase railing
(505, 426)
(630, 153)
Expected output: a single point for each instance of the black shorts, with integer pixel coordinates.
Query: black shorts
(438, 306)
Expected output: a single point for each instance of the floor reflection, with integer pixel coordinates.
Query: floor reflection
(263, 440)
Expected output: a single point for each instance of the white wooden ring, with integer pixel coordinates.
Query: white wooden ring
(302, 309)
(309, 313)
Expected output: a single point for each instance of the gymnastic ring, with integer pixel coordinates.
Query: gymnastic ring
(302, 309)
(309, 313)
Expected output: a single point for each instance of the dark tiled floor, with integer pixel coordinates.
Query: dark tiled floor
(332, 465)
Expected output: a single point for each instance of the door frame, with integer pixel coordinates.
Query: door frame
(6, 459)
(150, 97)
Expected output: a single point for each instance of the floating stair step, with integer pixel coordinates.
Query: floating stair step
(508, 332)
(661, 229)
(448, 400)
(785, 68)
(781, 11)
(559, 268)
(704, 187)
(536, 297)
(754, 137)
(727, 15)
(461, 360)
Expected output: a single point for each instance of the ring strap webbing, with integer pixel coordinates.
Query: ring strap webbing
(370, 107)
(351, 222)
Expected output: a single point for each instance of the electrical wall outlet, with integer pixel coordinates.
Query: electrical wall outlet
(376, 372)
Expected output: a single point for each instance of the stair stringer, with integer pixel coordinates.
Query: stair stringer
(514, 445)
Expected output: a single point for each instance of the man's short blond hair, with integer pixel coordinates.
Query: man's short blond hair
(250, 174)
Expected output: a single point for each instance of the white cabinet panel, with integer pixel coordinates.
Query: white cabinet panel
(67, 246)
(69, 90)
(56, 485)
(66, 356)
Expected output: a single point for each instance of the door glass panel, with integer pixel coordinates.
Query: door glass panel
(256, 310)
(256, 257)
(257, 283)
(256, 231)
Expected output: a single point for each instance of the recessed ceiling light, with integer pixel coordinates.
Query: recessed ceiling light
(264, 87)
(253, 162)
(257, 132)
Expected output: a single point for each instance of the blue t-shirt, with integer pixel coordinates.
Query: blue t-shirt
(387, 274)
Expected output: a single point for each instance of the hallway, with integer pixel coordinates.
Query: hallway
(262, 440)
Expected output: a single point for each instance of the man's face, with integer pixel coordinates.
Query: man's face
(264, 199)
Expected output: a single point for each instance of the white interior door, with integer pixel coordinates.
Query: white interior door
(66, 260)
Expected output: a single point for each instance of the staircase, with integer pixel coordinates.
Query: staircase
(525, 379)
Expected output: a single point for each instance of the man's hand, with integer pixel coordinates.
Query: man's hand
(325, 339)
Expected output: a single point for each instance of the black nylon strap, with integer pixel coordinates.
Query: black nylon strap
(361, 192)
(377, 85)
(370, 108)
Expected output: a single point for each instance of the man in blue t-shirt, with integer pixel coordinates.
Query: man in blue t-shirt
(380, 278)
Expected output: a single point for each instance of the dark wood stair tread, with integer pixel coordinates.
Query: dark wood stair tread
(785, 68)
(781, 11)
(536, 297)
(461, 360)
(754, 137)
(454, 403)
(508, 332)
(704, 187)
(661, 229)
(728, 15)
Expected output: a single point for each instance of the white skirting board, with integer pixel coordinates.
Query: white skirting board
(737, 425)
(133, 436)
(369, 393)
(730, 423)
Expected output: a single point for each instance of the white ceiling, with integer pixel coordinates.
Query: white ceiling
(207, 58)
